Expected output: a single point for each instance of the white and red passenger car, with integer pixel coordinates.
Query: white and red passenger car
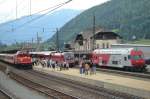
(19, 58)
(119, 57)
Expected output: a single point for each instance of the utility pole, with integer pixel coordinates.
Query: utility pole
(30, 8)
(93, 32)
(32, 44)
(16, 9)
(43, 30)
(38, 42)
(37, 35)
(57, 39)
(32, 40)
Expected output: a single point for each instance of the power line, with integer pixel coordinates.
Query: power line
(3, 1)
(52, 9)
(30, 7)
(16, 8)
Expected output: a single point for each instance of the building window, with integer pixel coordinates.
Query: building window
(107, 45)
(97, 45)
(103, 45)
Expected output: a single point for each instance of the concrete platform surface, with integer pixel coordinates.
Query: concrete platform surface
(133, 86)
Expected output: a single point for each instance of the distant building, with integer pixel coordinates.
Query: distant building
(102, 39)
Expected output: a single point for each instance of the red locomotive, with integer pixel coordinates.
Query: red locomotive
(127, 58)
(19, 59)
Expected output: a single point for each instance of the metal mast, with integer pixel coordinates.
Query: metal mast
(57, 39)
(93, 32)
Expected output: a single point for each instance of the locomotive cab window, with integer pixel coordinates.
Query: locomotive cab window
(129, 57)
(136, 57)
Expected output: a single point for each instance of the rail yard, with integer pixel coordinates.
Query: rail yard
(70, 84)
(72, 49)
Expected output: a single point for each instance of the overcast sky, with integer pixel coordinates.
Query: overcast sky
(8, 7)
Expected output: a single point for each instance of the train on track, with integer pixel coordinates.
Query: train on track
(59, 57)
(144, 48)
(19, 59)
(126, 58)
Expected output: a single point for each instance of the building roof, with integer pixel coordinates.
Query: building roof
(86, 34)
(98, 35)
(106, 35)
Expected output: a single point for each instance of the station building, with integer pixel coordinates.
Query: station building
(102, 39)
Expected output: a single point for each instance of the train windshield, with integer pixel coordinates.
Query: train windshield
(136, 57)
(69, 56)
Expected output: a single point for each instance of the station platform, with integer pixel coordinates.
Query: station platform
(132, 86)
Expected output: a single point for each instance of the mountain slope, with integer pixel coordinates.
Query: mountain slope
(127, 17)
(16, 32)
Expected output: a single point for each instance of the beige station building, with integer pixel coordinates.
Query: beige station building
(84, 42)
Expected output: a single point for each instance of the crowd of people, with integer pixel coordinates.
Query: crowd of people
(52, 64)
(87, 67)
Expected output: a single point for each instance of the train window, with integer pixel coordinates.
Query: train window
(107, 45)
(115, 62)
(103, 62)
(125, 58)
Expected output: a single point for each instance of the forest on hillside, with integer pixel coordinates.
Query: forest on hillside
(129, 18)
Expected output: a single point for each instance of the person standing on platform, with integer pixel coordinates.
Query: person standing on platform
(67, 65)
(64, 65)
(94, 68)
(81, 67)
(54, 65)
(48, 63)
(60, 66)
(57, 65)
(86, 68)
(91, 68)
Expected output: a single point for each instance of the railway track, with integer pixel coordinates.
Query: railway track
(52, 93)
(86, 91)
(60, 88)
(125, 73)
(4, 95)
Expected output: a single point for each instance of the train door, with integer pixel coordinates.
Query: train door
(126, 60)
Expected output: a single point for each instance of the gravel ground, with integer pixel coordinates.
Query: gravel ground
(17, 89)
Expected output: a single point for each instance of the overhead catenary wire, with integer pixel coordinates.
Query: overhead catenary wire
(33, 19)
(52, 9)
(3, 1)
(17, 5)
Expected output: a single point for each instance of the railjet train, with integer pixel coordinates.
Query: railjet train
(127, 58)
